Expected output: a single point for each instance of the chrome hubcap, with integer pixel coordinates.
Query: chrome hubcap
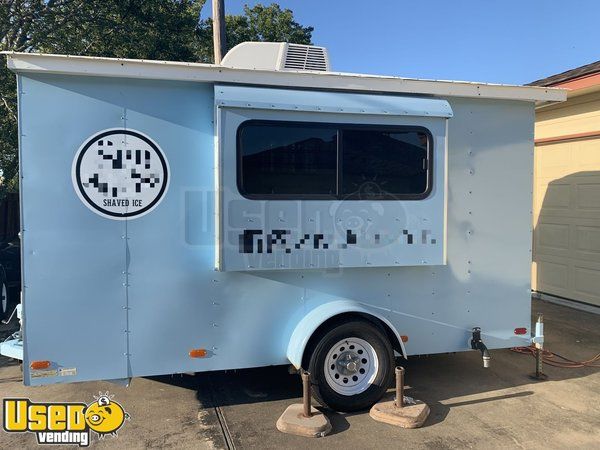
(351, 366)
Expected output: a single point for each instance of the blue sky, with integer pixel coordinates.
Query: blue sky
(501, 41)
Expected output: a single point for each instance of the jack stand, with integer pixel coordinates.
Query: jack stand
(302, 419)
(538, 341)
(402, 411)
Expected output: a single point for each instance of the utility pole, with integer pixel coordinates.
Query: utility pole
(218, 29)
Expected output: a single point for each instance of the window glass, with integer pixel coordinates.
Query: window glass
(379, 163)
(302, 160)
(287, 159)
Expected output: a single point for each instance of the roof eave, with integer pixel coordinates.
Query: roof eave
(197, 72)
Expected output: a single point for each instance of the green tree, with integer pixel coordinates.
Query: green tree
(149, 29)
(143, 29)
(259, 23)
(16, 22)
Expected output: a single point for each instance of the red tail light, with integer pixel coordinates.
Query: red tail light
(520, 330)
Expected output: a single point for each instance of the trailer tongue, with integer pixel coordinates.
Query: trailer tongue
(12, 347)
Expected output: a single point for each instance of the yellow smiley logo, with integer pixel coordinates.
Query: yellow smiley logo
(105, 416)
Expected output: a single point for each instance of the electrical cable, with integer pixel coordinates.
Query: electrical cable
(556, 360)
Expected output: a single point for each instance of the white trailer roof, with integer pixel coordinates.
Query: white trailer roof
(187, 71)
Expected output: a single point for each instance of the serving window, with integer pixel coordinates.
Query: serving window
(306, 160)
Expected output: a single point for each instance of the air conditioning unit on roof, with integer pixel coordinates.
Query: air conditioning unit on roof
(277, 56)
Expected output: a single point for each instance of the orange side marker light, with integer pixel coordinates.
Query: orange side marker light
(404, 338)
(198, 353)
(39, 365)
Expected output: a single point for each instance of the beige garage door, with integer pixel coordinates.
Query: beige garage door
(566, 250)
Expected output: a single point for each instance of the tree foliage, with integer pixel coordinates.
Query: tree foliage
(141, 29)
(259, 23)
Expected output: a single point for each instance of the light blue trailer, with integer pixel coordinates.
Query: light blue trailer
(183, 217)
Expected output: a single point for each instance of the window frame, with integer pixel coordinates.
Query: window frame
(340, 128)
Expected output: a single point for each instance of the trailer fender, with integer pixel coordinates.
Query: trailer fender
(316, 317)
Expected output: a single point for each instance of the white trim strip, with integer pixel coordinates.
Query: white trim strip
(182, 71)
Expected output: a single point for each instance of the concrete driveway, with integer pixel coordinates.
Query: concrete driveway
(471, 407)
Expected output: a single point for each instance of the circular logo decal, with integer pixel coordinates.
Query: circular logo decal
(120, 174)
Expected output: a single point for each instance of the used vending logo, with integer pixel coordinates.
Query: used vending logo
(120, 174)
(64, 423)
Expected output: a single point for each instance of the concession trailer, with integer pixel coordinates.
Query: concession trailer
(184, 217)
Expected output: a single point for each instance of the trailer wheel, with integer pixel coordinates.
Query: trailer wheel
(4, 304)
(351, 366)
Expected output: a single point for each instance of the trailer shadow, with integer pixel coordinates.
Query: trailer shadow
(437, 380)
(443, 381)
(9, 362)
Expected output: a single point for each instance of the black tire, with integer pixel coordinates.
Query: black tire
(5, 296)
(325, 392)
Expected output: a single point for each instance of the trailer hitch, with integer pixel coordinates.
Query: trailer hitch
(477, 344)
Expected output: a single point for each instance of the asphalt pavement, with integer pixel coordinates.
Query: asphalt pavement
(471, 407)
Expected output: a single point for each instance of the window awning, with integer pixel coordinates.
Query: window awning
(330, 102)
